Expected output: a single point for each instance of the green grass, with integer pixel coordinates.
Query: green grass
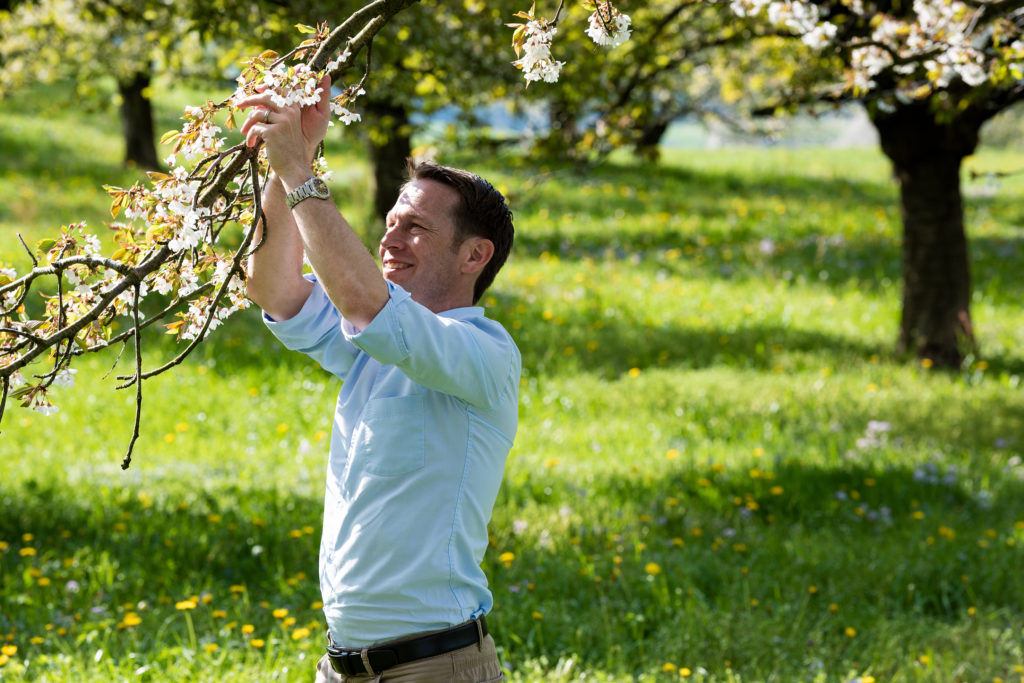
(699, 481)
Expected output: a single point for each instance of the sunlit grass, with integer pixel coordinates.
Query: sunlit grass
(723, 472)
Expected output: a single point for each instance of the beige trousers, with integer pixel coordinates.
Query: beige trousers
(477, 663)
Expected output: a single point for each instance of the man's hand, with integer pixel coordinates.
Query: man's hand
(292, 133)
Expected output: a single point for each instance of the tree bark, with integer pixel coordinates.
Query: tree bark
(390, 145)
(926, 155)
(648, 142)
(137, 123)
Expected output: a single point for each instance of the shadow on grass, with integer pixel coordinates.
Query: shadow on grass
(871, 556)
(117, 548)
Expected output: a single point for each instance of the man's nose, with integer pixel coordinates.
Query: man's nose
(389, 239)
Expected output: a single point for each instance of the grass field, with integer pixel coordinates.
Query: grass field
(722, 473)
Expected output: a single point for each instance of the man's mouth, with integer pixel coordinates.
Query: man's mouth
(395, 265)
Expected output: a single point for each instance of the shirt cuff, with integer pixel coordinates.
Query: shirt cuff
(294, 332)
(384, 337)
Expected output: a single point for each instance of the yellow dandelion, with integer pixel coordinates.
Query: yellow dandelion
(295, 533)
(43, 581)
(300, 633)
(317, 604)
(813, 590)
(28, 538)
(652, 568)
(212, 647)
(850, 632)
(280, 613)
(282, 428)
(684, 672)
(27, 552)
(672, 453)
(538, 615)
(634, 372)
(37, 640)
(668, 667)
(213, 518)
(288, 622)
(218, 614)
(257, 642)
(132, 619)
(9, 650)
(777, 490)
(185, 604)
(248, 628)
(833, 608)
(506, 558)
(237, 589)
(3, 660)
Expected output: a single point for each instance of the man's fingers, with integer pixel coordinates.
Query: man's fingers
(325, 95)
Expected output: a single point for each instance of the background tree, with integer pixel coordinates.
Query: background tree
(930, 74)
(131, 42)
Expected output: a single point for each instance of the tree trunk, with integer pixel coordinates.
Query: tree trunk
(926, 155)
(137, 123)
(390, 144)
(648, 142)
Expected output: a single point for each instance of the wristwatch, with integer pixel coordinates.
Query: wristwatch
(314, 187)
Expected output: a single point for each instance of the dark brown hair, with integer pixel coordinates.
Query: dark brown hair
(480, 212)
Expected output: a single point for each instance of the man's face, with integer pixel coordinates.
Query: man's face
(417, 248)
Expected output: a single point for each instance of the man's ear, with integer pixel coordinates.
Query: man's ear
(477, 253)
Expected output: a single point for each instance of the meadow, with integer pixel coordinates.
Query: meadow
(723, 471)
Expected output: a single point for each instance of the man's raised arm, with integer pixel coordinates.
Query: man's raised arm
(345, 269)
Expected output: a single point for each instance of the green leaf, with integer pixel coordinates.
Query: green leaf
(44, 245)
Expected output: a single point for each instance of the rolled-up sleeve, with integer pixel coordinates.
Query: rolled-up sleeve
(467, 356)
(316, 331)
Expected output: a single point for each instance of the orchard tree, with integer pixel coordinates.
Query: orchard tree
(87, 42)
(930, 73)
(119, 40)
(174, 236)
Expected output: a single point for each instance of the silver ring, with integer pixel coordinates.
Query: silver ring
(266, 116)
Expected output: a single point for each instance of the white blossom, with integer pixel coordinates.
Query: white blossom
(618, 23)
(536, 62)
(65, 378)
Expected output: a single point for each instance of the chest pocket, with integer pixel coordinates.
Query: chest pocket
(389, 440)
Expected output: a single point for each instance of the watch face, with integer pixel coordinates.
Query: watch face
(320, 188)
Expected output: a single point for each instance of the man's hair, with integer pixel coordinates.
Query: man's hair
(480, 212)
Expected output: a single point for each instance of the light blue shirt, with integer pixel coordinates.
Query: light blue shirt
(424, 421)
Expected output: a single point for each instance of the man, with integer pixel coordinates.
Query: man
(427, 412)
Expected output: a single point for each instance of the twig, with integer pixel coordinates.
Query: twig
(127, 460)
(31, 255)
(3, 399)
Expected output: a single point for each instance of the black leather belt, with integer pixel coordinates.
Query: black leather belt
(381, 657)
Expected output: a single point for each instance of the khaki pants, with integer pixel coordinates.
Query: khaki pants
(477, 663)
